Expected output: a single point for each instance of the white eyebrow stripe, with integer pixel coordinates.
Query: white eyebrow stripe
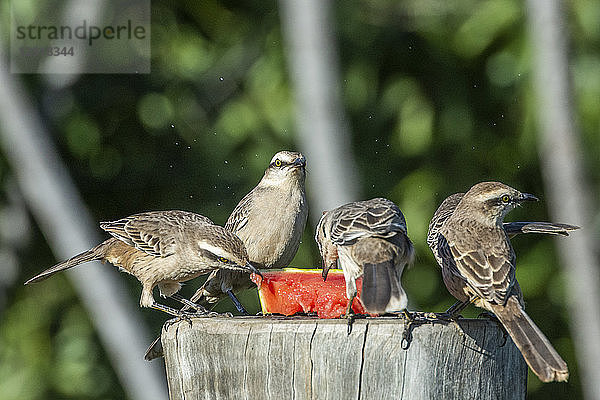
(213, 249)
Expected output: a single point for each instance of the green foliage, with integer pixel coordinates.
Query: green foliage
(438, 95)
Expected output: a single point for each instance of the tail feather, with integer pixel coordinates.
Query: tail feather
(86, 256)
(155, 350)
(536, 349)
(548, 228)
(381, 290)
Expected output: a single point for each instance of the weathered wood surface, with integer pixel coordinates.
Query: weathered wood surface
(306, 358)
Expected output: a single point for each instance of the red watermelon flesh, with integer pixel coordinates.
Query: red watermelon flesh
(292, 290)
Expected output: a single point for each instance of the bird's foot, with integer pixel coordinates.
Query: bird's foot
(210, 314)
(351, 316)
(407, 333)
(183, 316)
(413, 319)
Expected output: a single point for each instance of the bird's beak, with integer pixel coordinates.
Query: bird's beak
(250, 268)
(527, 197)
(299, 162)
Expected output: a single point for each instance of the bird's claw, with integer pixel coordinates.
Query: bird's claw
(183, 316)
(187, 316)
(351, 317)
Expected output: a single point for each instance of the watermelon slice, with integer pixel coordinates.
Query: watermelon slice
(289, 291)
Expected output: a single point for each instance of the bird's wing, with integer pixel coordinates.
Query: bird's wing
(376, 217)
(154, 233)
(443, 212)
(490, 273)
(239, 216)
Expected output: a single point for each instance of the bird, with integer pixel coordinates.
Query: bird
(163, 248)
(270, 221)
(472, 246)
(512, 229)
(369, 239)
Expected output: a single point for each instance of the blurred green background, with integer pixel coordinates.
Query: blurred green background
(438, 96)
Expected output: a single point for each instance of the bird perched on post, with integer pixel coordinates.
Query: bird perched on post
(270, 221)
(512, 229)
(163, 248)
(473, 248)
(369, 239)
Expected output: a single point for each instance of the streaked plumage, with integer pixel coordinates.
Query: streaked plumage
(369, 239)
(471, 244)
(163, 248)
(511, 228)
(270, 220)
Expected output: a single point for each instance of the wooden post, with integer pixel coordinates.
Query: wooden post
(307, 358)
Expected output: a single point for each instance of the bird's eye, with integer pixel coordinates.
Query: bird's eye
(223, 260)
(277, 163)
(505, 198)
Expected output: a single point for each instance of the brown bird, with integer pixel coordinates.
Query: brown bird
(368, 239)
(478, 266)
(512, 228)
(163, 248)
(270, 221)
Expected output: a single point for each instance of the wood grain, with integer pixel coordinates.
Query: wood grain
(307, 358)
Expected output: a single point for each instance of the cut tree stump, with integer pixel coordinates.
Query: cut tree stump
(308, 358)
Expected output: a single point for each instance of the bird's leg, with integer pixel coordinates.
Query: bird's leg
(200, 311)
(456, 308)
(188, 303)
(198, 294)
(181, 315)
(407, 334)
(454, 311)
(236, 302)
(350, 314)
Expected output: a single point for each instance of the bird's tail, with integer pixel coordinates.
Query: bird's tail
(539, 354)
(381, 289)
(90, 255)
(155, 350)
(547, 228)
